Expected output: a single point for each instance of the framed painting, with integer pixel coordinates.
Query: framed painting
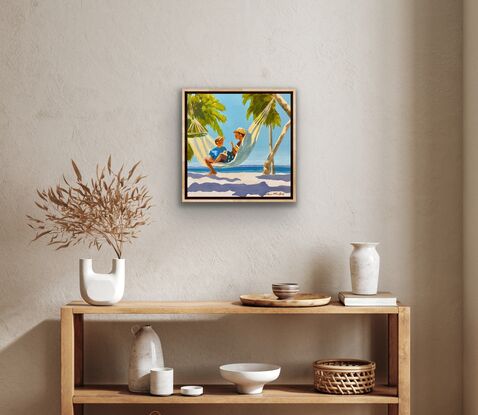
(238, 145)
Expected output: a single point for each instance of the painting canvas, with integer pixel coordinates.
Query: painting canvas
(239, 146)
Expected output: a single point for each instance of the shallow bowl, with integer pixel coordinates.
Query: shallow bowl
(250, 378)
(192, 390)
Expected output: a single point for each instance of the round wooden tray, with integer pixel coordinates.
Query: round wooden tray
(300, 300)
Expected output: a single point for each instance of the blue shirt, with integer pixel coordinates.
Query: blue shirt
(214, 153)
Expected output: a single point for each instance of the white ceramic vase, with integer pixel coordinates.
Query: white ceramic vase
(102, 289)
(364, 268)
(146, 354)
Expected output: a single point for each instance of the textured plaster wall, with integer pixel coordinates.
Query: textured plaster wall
(379, 158)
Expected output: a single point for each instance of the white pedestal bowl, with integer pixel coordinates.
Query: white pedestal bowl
(250, 378)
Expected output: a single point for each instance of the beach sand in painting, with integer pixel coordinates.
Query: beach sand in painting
(238, 184)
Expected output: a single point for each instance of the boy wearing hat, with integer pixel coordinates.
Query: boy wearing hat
(239, 135)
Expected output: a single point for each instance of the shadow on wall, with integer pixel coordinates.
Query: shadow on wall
(196, 348)
(35, 355)
(436, 197)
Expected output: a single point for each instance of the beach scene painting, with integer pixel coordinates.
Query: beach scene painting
(239, 145)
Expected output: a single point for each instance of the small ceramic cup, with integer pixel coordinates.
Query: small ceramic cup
(162, 381)
(285, 290)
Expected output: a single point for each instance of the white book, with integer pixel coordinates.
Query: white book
(384, 298)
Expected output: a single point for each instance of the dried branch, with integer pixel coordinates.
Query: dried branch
(109, 208)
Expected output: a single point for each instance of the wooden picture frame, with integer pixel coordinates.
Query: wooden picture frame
(264, 118)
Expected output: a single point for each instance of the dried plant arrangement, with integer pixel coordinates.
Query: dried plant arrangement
(109, 208)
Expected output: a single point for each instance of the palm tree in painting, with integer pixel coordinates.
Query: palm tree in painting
(257, 103)
(208, 110)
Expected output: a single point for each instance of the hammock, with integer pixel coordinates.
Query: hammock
(202, 143)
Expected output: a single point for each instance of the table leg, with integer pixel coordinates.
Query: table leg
(67, 361)
(78, 320)
(393, 357)
(404, 360)
(71, 360)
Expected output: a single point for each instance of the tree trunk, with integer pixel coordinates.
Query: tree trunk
(283, 103)
(268, 162)
(273, 170)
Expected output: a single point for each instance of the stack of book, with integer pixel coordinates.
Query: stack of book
(381, 299)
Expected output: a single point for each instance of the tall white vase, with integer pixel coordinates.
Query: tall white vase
(102, 289)
(146, 354)
(364, 268)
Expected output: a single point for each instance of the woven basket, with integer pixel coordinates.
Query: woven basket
(344, 376)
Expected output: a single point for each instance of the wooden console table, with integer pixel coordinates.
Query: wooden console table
(74, 394)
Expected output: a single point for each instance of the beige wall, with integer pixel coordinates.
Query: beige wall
(470, 218)
(379, 154)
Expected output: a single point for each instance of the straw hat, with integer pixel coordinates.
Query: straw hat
(240, 131)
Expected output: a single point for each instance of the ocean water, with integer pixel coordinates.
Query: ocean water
(239, 169)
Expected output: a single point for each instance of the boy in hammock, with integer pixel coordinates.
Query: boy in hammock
(217, 154)
(220, 154)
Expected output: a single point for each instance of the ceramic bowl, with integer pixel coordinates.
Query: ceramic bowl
(285, 290)
(250, 378)
(191, 390)
(286, 285)
(285, 295)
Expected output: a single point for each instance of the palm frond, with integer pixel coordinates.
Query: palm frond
(208, 110)
(257, 103)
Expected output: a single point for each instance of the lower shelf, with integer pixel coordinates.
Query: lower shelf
(226, 394)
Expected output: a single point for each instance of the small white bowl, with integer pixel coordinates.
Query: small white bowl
(191, 390)
(250, 378)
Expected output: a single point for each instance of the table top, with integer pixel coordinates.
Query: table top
(219, 307)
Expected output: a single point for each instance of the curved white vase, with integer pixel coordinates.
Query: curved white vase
(364, 268)
(102, 289)
(146, 354)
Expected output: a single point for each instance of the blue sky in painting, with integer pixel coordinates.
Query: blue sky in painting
(236, 117)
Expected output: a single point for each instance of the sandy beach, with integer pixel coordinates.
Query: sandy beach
(238, 184)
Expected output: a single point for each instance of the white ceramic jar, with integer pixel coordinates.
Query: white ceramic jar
(364, 268)
(162, 381)
(102, 289)
(146, 354)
